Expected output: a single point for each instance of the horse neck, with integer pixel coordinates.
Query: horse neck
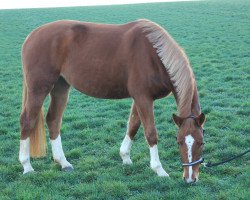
(195, 106)
(191, 105)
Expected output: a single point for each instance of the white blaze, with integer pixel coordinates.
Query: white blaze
(189, 140)
(24, 155)
(58, 153)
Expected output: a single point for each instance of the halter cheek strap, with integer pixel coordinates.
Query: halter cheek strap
(201, 160)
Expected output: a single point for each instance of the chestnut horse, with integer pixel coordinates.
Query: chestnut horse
(138, 60)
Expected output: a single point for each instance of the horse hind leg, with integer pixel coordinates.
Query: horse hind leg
(133, 126)
(33, 139)
(59, 98)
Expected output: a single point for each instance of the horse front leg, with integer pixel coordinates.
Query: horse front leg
(133, 126)
(145, 110)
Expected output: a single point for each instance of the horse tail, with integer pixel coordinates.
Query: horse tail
(38, 144)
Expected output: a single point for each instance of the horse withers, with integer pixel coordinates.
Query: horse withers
(138, 60)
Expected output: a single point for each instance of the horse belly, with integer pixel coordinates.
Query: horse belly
(96, 82)
(103, 91)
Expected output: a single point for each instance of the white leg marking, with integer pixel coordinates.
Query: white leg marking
(24, 155)
(125, 150)
(58, 153)
(155, 163)
(189, 140)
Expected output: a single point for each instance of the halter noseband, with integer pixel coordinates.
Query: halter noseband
(191, 116)
(201, 160)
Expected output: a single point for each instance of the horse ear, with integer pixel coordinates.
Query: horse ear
(200, 120)
(177, 120)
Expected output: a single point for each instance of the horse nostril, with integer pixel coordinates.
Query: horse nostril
(189, 180)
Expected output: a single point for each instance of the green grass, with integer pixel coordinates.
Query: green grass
(215, 35)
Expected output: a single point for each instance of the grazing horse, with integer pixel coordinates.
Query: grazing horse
(138, 60)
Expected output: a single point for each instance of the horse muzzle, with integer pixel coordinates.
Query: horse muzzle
(191, 180)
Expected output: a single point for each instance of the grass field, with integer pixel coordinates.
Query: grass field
(216, 37)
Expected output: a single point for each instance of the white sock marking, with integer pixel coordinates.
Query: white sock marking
(189, 140)
(24, 155)
(125, 150)
(58, 153)
(155, 163)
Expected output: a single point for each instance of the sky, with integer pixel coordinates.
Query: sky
(13, 4)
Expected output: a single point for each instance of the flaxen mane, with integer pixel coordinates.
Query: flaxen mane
(175, 61)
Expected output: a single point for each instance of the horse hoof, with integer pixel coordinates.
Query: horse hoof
(68, 169)
(29, 172)
(160, 172)
(163, 174)
(127, 162)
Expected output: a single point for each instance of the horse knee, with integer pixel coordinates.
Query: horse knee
(152, 138)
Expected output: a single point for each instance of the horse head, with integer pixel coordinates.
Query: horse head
(191, 140)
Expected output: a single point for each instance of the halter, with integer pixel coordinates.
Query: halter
(191, 116)
(201, 160)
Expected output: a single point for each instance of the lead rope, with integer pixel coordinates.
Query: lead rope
(209, 164)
